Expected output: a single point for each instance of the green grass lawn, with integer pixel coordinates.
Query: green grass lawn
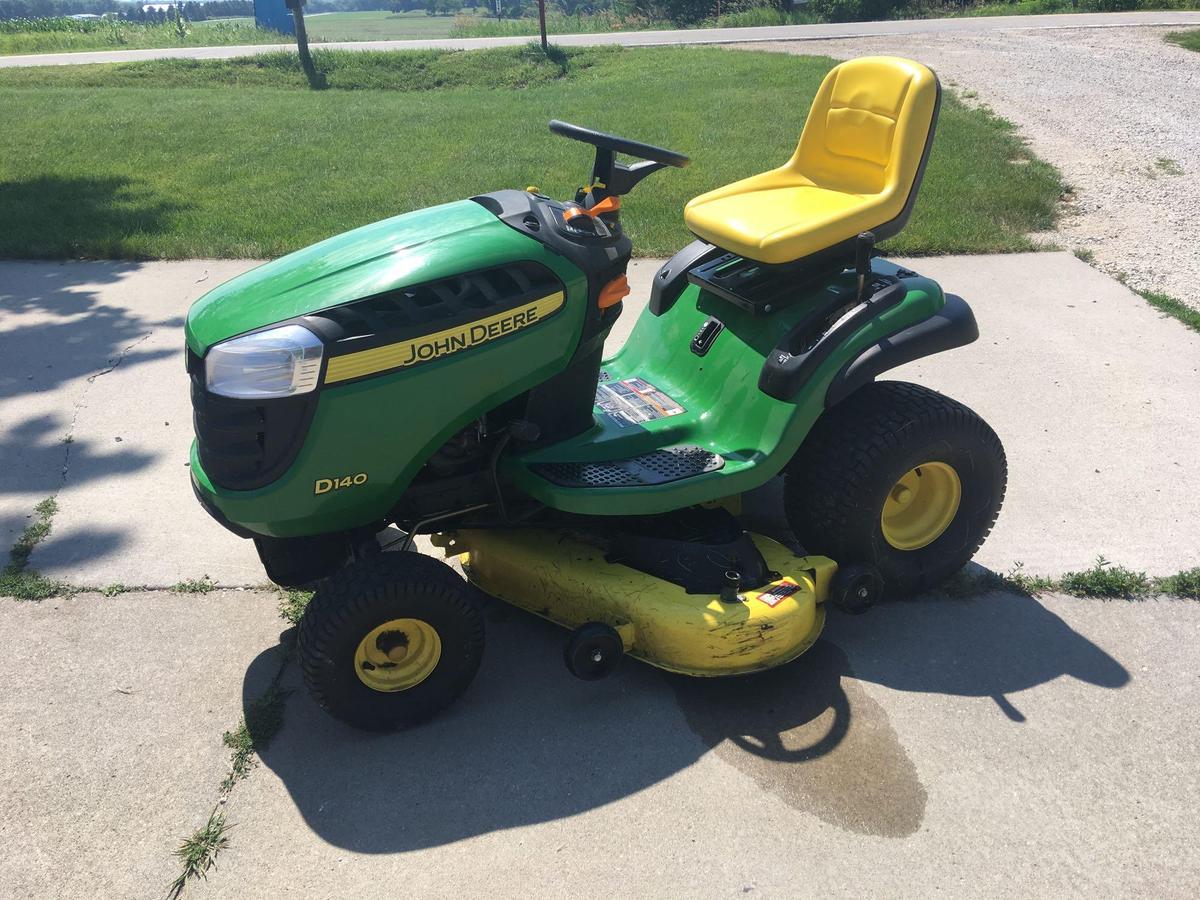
(235, 158)
(1187, 39)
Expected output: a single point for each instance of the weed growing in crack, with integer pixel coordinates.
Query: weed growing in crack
(1182, 584)
(260, 722)
(196, 586)
(34, 533)
(18, 580)
(1019, 581)
(198, 853)
(292, 605)
(1104, 579)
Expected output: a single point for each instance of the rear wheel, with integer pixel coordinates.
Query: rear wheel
(390, 641)
(898, 477)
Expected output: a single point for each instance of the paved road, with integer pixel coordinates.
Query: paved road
(649, 38)
(1099, 430)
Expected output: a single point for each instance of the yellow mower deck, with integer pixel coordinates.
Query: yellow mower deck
(563, 578)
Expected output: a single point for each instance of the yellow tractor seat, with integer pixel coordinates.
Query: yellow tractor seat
(857, 168)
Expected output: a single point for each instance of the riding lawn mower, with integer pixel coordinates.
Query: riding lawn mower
(443, 373)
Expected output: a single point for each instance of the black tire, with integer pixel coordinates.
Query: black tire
(593, 651)
(364, 596)
(837, 483)
(856, 588)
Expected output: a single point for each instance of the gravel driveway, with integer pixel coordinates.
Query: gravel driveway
(1116, 109)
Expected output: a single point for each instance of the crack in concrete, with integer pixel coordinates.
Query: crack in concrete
(114, 362)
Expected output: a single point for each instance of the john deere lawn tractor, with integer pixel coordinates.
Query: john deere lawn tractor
(443, 372)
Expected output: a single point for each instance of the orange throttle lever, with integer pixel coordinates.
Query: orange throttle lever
(611, 293)
(607, 205)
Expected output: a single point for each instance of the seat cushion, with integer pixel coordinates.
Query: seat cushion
(780, 222)
(856, 168)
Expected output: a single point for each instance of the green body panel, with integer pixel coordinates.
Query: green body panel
(389, 425)
(725, 411)
(418, 246)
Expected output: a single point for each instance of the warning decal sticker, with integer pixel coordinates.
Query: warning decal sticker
(778, 594)
(632, 401)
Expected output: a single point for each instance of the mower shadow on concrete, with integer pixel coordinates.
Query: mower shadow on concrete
(991, 645)
(530, 744)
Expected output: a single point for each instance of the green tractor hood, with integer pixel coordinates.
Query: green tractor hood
(407, 249)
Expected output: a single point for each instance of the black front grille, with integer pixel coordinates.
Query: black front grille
(246, 444)
(445, 302)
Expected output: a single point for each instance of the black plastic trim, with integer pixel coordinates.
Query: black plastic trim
(707, 335)
(299, 562)
(416, 310)
(220, 517)
(696, 548)
(953, 326)
(246, 444)
(561, 407)
(792, 363)
(672, 276)
(660, 466)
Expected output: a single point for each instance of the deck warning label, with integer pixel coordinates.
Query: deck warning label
(633, 401)
(778, 593)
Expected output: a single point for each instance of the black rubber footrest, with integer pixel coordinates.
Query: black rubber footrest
(658, 467)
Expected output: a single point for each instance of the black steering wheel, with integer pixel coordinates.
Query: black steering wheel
(611, 142)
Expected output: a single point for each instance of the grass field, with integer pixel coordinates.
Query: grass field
(349, 26)
(133, 36)
(473, 22)
(1188, 39)
(596, 23)
(235, 158)
(377, 26)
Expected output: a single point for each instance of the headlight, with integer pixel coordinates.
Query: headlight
(279, 362)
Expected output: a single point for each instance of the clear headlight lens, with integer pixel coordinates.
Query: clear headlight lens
(279, 362)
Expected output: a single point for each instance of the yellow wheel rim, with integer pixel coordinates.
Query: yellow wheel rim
(397, 655)
(921, 506)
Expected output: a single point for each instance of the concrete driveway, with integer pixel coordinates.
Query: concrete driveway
(994, 746)
(979, 747)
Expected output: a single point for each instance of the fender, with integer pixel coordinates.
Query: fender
(953, 326)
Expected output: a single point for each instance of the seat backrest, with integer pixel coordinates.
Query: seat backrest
(870, 129)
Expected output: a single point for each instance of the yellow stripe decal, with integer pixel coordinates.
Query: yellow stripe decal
(441, 343)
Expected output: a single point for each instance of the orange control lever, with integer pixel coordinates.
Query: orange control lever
(607, 205)
(611, 293)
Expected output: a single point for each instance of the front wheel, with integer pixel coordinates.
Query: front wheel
(898, 477)
(390, 641)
